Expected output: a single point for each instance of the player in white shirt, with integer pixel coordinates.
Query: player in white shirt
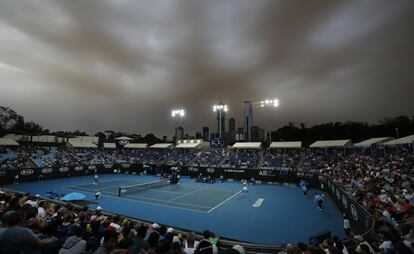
(244, 189)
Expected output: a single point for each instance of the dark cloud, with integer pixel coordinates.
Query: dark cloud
(96, 65)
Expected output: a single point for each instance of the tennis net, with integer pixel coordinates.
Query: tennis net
(134, 188)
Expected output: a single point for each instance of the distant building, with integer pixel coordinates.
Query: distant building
(248, 119)
(198, 135)
(258, 134)
(179, 133)
(232, 125)
(240, 134)
(206, 134)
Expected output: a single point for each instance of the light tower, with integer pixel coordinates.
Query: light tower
(221, 110)
(179, 130)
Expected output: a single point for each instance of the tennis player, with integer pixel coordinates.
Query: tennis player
(244, 189)
(97, 195)
(95, 179)
(319, 200)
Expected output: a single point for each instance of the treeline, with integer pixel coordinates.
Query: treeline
(11, 122)
(357, 131)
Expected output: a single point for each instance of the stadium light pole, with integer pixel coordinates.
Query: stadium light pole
(179, 114)
(269, 104)
(220, 108)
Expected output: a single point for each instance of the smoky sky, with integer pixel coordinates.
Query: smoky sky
(124, 65)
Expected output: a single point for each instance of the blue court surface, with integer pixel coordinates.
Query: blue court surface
(268, 214)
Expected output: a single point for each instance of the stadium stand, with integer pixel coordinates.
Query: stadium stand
(382, 183)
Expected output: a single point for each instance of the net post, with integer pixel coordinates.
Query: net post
(119, 191)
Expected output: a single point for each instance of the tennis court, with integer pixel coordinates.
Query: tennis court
(204, 199)
(269, 214)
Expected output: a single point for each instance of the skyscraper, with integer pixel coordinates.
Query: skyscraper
(206, 134)
(248, 118)
(232, 125)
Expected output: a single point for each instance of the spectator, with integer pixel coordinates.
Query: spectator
(74, 244)
(16, 239)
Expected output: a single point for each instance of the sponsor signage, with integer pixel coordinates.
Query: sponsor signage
(108, 165)
(354, 212)
(78, 168)
(63, 169)
(345, 201)
(238, 171)
(91, 167)
(125, 165)
(26, 172)
(192, 169)
(210, 170)
(46, 170)
(123, 142)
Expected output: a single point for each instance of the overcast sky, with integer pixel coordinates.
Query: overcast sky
(124, 64)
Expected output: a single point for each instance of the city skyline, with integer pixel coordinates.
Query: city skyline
(123, 65)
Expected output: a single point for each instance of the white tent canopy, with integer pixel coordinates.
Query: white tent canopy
(289, 144)
(14, 137)
(109, 145)
(162, 145)
(90, 139)
(8, 142)
(189, 145)
(373, 141)
(332, 144)
(77, 144)
(136, 146)
(123, 138)
(401, 141)
(247, 145)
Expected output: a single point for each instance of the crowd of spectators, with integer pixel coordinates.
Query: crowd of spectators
(32, 225)
(281, 159)
(53, 156)
(242, 158)
(382, 183)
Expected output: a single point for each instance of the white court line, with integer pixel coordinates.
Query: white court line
(184, 195)
(212, 209)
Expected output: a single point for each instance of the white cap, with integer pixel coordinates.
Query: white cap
(239, 248)
(359, 238)
(155, 226)
(176, 239)
(37, 195)
(170, 230)
(99, 208)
